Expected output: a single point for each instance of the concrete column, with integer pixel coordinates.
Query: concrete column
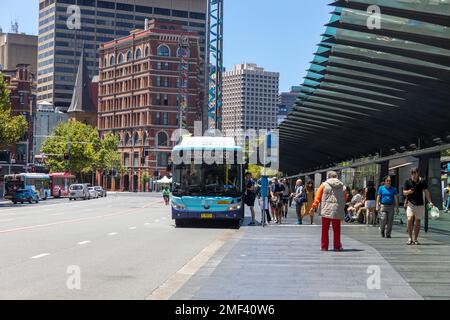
(384, 169)
(430, 169)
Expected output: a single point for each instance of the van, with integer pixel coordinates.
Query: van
(79, 191)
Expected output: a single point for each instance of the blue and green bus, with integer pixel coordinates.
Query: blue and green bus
(207, 180)
(39, 182)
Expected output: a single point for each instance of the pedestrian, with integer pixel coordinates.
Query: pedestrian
(371, 203)
(286, 196)
(264, 204)
(298, 200)
(331, 196)
(387, 202)
(447, 198)
(306, 208)
(250, 195)
(276, 194)
(166, 195)
(414, 189)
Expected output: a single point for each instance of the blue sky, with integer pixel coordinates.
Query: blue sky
(279, 35)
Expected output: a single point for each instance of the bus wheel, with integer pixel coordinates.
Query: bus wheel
(30, 201)
(179, 223)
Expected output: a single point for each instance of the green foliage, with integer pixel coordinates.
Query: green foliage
(446, 153)
(88, 152)
(12, 128)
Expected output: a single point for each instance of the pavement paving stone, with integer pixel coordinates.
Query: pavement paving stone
(287, 263)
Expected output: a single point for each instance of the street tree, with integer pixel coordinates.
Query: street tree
(88, 153)
(12, 128)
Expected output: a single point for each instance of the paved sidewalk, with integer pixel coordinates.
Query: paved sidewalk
(285, 262)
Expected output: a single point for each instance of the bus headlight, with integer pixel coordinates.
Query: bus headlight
(234, 207)
(178, 206)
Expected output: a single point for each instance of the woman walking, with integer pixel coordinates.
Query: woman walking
(371, 203)
(276, 194)
(307, 206)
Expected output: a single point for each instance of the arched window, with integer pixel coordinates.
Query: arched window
(111, 60)
(120, 58)
(162, 139)
(163, 51)
(129, 56)
(127, 139)
(144, 139)
(185, 52)
(136, 139)
(146, 51)
(138, 54)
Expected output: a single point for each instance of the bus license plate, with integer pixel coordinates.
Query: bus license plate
(206, 216)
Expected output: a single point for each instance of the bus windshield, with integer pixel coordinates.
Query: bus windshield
(207, 180)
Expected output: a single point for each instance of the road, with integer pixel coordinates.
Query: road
(122, 247)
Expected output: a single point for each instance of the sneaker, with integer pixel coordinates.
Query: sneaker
(383, 234)
(389, 236)
(410, 242)
(416, 242)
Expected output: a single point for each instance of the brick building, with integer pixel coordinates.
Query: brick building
(139, 98)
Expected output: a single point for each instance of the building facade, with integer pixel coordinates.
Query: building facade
(139, 98)
(288, 99)
(18, 49)
(250, 99)
(61, 37)
(23, 99)
(46, 118)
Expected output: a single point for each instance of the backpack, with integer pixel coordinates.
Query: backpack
(303, 198)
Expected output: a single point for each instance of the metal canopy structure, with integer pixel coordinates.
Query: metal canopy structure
(372, 91)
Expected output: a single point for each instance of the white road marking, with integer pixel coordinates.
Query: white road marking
(40, 256)
(147, 223)
(112, 234)
(156, 220)
(132, 228)
(84, 242)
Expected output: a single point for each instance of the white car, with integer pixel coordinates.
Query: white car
(93, 193)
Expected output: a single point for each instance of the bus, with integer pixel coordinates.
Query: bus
(40, 182)
(204, 189)
(60, 183)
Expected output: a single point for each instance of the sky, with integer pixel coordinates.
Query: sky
(278, 35)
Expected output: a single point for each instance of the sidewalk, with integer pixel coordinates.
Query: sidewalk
(285, 262)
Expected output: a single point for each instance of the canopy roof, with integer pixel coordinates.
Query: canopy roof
(371, 92)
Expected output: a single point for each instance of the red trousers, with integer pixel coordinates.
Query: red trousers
(336, 233)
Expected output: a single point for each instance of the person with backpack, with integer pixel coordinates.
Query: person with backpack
(299, 201)
(166, 195)
(331, 196)
(276, 201)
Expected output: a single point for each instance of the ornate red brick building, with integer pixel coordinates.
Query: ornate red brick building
(139, 98)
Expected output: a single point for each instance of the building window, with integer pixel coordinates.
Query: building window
(144, 139)
(166, 100)
(146, 51)
(163, 51)
(165, 119)
(127, 140)
(158, 81)
(138, 54)
(158, 118)
(166, 82)
(162, 140)
(163, 159)
(129, 56)
(159, 66)
(136, 139)
(120, 59)
(111, 60)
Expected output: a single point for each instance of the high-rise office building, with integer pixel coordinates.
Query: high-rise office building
(288, 99)
(250, 99)
(18, 49)
(60, 39)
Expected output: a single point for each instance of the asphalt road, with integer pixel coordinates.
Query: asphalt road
(120, 247)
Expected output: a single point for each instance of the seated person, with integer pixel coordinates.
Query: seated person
(356, 203)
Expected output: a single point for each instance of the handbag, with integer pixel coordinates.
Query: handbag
(303, 198)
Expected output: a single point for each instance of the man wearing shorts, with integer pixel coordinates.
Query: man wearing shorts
(414, 189)
(250, 195)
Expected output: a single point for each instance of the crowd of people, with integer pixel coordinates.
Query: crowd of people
(334, 202)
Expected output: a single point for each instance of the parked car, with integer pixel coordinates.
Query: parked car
(101, 191)
(79, 191)
(93, 193)
(25, 195)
